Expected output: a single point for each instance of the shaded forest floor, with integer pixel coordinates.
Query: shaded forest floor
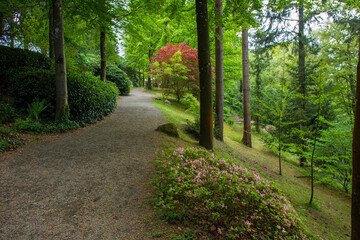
(327, 218)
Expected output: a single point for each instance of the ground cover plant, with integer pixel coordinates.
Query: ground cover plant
(232, 202)
(9, 139)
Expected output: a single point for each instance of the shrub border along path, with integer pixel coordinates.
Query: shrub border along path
(87, 184)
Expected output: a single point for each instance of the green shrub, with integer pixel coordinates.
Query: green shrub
(89, 98)
(7, 111)
(117, 76)
(30, 84)
(120, 78)
(14, 58)
(194, 128)
(230, 121)
(192, 104)
(35, 108)
(9, 139)
(28, 126)
(59, 127)
(195, 186)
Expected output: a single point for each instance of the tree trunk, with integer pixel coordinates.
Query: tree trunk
(302, 75)
(246, 89)
(355, 203)
(51, 31)
(143, 80)
(148, 84)
(219, 57)
(103, 54)
(257, 82)
(206, 112)
(60, 66)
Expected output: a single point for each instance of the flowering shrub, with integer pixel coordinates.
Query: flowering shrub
(232, 202)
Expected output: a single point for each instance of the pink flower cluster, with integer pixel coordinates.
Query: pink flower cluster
(193, 173)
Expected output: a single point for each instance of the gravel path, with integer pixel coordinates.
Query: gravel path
(87, 184)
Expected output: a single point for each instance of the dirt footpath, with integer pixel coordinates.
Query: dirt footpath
(88, 184)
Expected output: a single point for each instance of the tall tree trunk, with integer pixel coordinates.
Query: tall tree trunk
(257, 81)
(103, 54)
(246, 89)
(355, 203)
(219, 57)
(51, 31)
(143, 80)
(206, 110)
(148, 84)
(302, 76)
(60, 66)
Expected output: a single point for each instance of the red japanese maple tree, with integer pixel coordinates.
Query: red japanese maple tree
(176, 68)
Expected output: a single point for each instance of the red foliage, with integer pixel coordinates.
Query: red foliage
(189, 59)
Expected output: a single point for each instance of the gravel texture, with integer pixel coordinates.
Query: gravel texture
(88, 184)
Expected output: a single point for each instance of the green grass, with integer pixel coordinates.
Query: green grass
(327, 218)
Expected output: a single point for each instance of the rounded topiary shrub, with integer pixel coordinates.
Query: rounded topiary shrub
(89, 98)
(117, 76)
(120, 78)
(13, 58)
(219, 196)
(28, 84)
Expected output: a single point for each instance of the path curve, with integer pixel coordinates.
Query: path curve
(88, 184)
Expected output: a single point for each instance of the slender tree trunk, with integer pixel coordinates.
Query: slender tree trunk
(51, 31)
(206, 110)
(279, 148)
(219, 57)
(60, 66)
(280, 128)
(246, 89)
(148, 84)
(302, 75)
(143, 80)
(312, 165)
(257, 82)
(355, 203)
(103, 54)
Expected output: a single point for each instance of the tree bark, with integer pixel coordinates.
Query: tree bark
(60, 66)
(257, 82)
(103, 54)
(302, 76)
(51, 31)
(206, 112)
(148, 84)
(219, 62)
(246, 89)
(355, 203)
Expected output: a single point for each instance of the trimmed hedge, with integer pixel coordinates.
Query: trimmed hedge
(27, 84)
(14, 58)
(117, 76)
(89, 98)
(120, 78)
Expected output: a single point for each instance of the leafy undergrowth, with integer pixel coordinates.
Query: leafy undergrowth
(9, 139)
(230, 202)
